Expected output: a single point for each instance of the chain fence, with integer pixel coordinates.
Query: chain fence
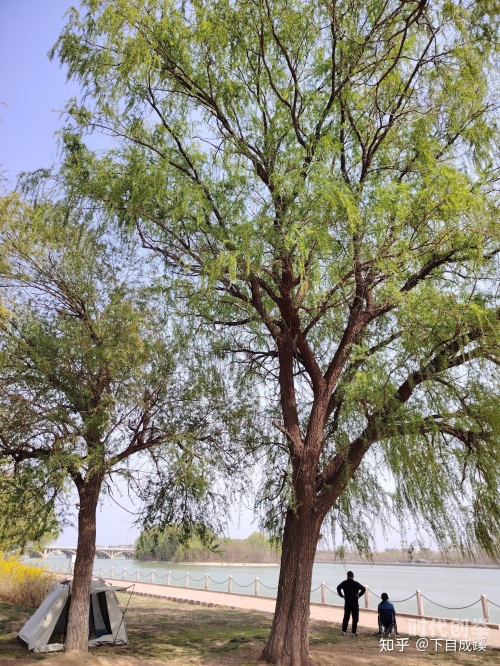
(252, 583)
(401, 601)
(451, 607)
(257, 583)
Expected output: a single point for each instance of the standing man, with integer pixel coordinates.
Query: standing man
(350, 590)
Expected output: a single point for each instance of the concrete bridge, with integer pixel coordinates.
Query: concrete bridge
(101, 552)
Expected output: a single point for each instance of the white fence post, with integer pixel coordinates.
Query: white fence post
(484, 604)
(207, 577)
(230, 584)
(420, 603)
(367, 597)
(257, 586)
(323, 593)
(187, 579)
(137, 575)
(123, 574)
(112, 572)
(153, 576)
(100, 572)
(168, 578)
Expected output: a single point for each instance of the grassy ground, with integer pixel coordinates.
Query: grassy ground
(162, 632)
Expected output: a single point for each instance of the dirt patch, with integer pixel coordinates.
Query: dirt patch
(77, 658)
(94, 659)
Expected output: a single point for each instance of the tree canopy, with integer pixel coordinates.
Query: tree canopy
(342, 197)
(95, 384)
(320, 179)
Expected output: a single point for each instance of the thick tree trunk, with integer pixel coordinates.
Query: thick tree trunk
(78, 622)
(288, 643)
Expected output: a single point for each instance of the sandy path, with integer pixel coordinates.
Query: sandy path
(412, 625)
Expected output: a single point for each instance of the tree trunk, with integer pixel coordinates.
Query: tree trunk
(78, 622)
(288, 643)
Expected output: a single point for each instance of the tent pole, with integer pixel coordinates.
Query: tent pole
(124, 613)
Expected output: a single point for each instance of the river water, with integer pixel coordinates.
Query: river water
(446, 586)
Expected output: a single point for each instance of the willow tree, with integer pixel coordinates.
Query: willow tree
(320, 179)
(94, 386)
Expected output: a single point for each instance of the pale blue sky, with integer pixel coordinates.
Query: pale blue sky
(32, 87)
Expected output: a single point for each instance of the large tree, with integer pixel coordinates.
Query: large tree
(95, 387)
(320, 179)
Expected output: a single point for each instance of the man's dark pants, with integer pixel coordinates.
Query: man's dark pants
(348, 610)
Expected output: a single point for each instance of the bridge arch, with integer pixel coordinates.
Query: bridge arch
(69, 552)
(122, 553)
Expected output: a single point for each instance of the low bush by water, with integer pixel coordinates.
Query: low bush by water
(23, 584)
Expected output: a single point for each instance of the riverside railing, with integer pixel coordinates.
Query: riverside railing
(172, 581)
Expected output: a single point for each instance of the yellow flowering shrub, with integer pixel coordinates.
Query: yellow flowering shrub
(23, 584)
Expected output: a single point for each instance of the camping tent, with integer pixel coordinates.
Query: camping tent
(46, 628)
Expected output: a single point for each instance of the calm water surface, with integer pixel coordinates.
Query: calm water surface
(441, 585)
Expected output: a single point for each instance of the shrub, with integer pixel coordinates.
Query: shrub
(23, 584)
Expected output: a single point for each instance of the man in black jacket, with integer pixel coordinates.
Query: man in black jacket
(350, 590)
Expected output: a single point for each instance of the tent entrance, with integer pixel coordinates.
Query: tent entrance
(99, 624)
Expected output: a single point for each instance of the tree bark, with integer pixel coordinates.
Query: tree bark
(78, 622)
(288, 643)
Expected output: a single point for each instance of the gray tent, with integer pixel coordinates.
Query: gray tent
(46, 628)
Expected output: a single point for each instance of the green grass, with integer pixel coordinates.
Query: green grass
(12, 619)
(186, 632)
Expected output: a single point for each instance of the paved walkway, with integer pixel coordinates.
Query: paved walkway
(407, 624)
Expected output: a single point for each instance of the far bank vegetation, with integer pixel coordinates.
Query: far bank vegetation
(164, 547)
(410, 555)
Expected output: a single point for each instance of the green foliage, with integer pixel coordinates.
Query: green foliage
(320, 180)
(157, 544)
(164, 546)
(95, 381)
(27, 508)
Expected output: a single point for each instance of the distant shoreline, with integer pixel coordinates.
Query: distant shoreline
(215, 564)
(421, 565)
(372, 564)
